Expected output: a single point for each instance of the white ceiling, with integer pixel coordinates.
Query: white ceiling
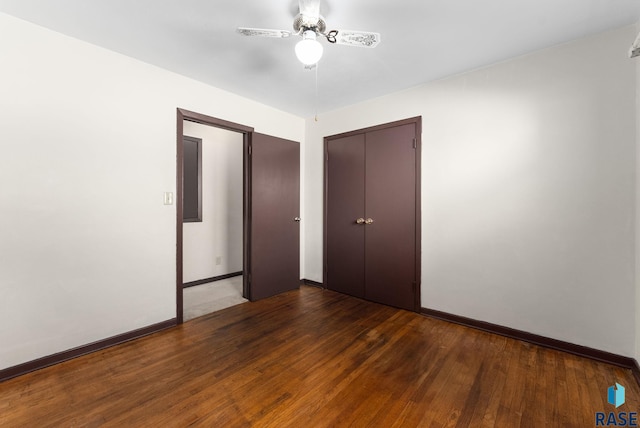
(422, 40)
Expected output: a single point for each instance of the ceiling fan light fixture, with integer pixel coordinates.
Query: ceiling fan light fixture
(309, 50)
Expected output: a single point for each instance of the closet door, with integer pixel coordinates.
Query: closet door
(390, 240)
(345, 193)
(371, 225)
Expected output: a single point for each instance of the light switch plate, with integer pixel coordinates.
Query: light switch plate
(168, 198)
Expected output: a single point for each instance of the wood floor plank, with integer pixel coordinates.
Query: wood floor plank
(317, 358)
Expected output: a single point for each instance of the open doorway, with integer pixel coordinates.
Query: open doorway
(270, 210)
(212, 221)
(211, 239)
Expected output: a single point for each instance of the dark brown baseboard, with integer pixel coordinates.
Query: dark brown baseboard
(559, 345)
(311, 283)
(60, 357)
(212, 279)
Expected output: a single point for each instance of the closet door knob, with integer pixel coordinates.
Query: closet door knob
(360, 220)
(297, 219)
(368, 221)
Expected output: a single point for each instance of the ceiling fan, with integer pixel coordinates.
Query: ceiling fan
(310, 24)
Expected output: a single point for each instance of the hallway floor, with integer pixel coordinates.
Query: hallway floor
(206, 298)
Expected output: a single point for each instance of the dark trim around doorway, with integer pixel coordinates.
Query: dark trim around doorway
(183, 115)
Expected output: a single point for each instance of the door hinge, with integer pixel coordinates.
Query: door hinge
(249, 150)
(415, 143)
(326, 156)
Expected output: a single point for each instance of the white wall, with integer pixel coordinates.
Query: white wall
(87, 248)
(528, 187)
(219, 234)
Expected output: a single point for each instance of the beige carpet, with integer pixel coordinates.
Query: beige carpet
(206, 298)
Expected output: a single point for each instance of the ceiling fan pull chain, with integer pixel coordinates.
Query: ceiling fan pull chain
(316, 118)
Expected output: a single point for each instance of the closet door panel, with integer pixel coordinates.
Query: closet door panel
(344, 205)
(390, 241)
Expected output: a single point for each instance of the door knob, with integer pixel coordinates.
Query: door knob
(297, 219)
(368, 221)
(360, 220)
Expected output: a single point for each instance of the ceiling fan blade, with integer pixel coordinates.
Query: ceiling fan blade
(263, 32)
(310, 8)
(364, 39)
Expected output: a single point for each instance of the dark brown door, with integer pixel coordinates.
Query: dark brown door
(371, 241)
(390, 240)
(344, 206)
(274, 255)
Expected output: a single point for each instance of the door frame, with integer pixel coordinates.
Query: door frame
(418, 238)
(246, 132)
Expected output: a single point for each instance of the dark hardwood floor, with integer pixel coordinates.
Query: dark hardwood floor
(315, 358)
